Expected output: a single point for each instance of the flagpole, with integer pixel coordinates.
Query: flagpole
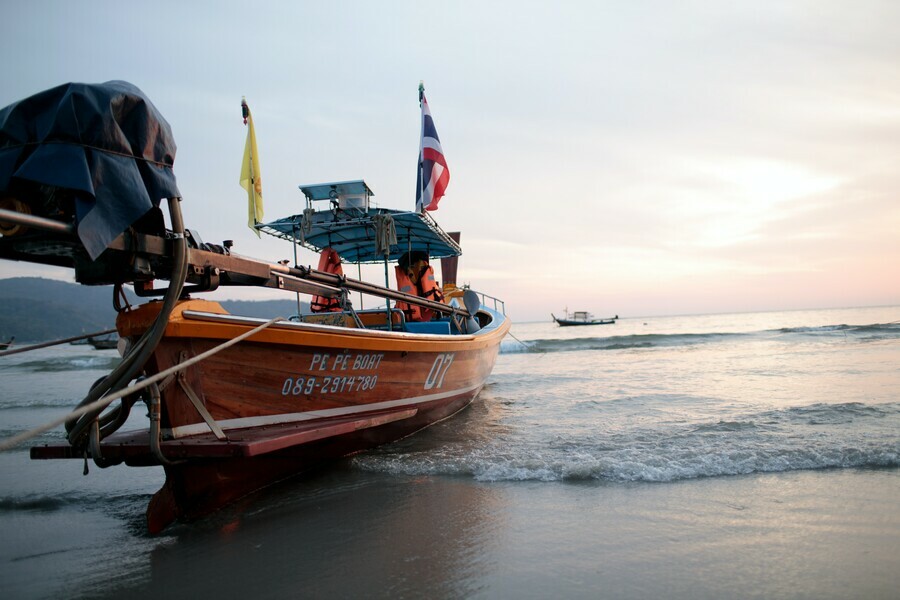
(246, 110)
(252, 179)
(421, 176)
(252, 173)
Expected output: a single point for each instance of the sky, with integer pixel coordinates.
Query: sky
(633, 158)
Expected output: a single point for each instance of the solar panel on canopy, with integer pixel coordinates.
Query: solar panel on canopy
(328, 191)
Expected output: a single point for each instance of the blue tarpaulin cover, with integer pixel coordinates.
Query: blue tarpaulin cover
(105, 142)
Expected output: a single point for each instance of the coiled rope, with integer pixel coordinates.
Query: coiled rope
(78, 428)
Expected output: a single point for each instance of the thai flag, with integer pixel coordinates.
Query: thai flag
(433, 176)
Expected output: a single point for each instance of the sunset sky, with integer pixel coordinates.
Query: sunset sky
(631, 158)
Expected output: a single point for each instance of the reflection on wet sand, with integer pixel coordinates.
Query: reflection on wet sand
(339, 534)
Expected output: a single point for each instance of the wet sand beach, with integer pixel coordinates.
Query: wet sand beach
(350, 534)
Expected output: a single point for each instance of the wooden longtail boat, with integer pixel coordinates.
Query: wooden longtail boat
(582, 318)
(230, 412)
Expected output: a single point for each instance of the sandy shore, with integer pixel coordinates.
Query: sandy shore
(349, 534)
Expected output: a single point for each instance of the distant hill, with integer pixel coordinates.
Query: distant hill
(34, 309)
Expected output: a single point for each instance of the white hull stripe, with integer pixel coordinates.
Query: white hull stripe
(245, 422)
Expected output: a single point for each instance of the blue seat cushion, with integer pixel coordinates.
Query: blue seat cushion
(438, 327)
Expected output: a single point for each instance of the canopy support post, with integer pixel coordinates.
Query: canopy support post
(359, 276)
(387, 301)
(294, 235)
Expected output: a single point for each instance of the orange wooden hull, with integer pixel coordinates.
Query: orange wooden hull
(290, 397)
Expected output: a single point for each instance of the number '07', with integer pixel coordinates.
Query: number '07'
(439, 369)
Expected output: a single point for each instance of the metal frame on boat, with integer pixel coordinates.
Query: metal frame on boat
(237, 403)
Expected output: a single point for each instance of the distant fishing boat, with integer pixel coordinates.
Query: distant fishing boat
(237, 403)
(5, 345)
(582, 318)
(103, 343)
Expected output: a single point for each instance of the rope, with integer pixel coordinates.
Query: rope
(98, 148)
(306, 223)
(56, 342)
(106, 400)
(518, 340)
(134, 360)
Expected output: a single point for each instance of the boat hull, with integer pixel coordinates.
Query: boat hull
(570, 323)
(196, 488)
(287, 399)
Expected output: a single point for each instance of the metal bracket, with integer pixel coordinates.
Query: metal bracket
(198, 404)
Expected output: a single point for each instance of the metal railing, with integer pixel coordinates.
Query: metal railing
(499, 305)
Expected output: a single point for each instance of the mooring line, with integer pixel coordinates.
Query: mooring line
(518, 340)
(56, 342)
(106, 400)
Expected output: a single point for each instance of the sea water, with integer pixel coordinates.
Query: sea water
(667, 399)
(747, 455)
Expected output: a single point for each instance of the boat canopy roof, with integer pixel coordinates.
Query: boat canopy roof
(353, 233)
(357, 232)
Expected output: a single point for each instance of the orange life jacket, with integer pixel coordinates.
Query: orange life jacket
(330, 262)
(405, 285)
(426, 287)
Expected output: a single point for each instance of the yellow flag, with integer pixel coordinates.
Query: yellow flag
(251, 180)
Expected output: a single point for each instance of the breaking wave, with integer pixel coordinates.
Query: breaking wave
(800, 438)
(619, 342)
(888, 329)
(35, 504)
(875, 331)
(42, 403)
(67, 363)
(112, 503)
